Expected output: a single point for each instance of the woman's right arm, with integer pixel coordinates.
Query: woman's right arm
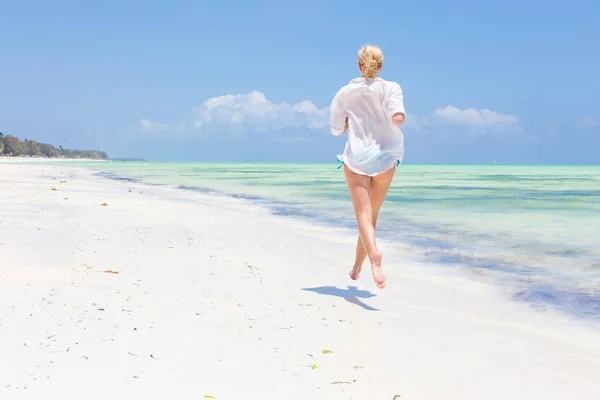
(398, 119)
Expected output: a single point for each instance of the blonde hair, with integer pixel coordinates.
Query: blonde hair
(370, 58)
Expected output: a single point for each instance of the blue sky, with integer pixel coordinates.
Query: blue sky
(514, 81)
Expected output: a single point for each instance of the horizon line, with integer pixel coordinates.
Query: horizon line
(135, 159)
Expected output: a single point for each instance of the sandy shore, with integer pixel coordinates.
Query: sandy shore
(171, 294)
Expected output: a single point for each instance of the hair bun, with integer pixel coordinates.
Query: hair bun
(370, 58)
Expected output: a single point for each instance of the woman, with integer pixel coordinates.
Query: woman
(370, 109)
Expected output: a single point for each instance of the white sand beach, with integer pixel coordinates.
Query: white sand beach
(112, 289)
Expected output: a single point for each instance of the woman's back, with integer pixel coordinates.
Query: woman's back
(374, 142)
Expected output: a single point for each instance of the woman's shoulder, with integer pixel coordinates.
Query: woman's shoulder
(347, 87)
(391, 88)
(390, 84)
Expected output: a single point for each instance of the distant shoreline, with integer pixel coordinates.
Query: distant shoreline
(12, 146)
(66, 159)
(25, 158)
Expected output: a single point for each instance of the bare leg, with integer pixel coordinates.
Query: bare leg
(359, 187)
(378, 189)
(361, 255)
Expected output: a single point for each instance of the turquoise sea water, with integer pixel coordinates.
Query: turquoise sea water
(535, 230)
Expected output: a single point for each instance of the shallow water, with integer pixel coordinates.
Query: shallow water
(535, 230)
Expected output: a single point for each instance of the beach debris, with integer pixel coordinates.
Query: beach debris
(53, 189)
(104, 205)
(314, 366)
(396, 397)
(131, 354)
(343, 382)
(327, 351)
(152, 356)
(63, 181)
(66, 198)
(110, 271)
(209, 397)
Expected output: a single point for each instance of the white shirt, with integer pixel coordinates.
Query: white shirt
(374, 143)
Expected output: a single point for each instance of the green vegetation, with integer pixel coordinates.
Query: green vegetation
(13, 147)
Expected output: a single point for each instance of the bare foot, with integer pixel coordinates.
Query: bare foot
(378, 274)
(355, 273)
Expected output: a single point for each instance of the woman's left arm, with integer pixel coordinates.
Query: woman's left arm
(396, 105)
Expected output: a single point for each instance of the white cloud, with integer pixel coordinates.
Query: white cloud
(589, 122)
(253, 113)
(414, 123)
(148, 126)
(475, 119)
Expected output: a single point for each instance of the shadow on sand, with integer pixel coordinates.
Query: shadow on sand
(352, 294)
